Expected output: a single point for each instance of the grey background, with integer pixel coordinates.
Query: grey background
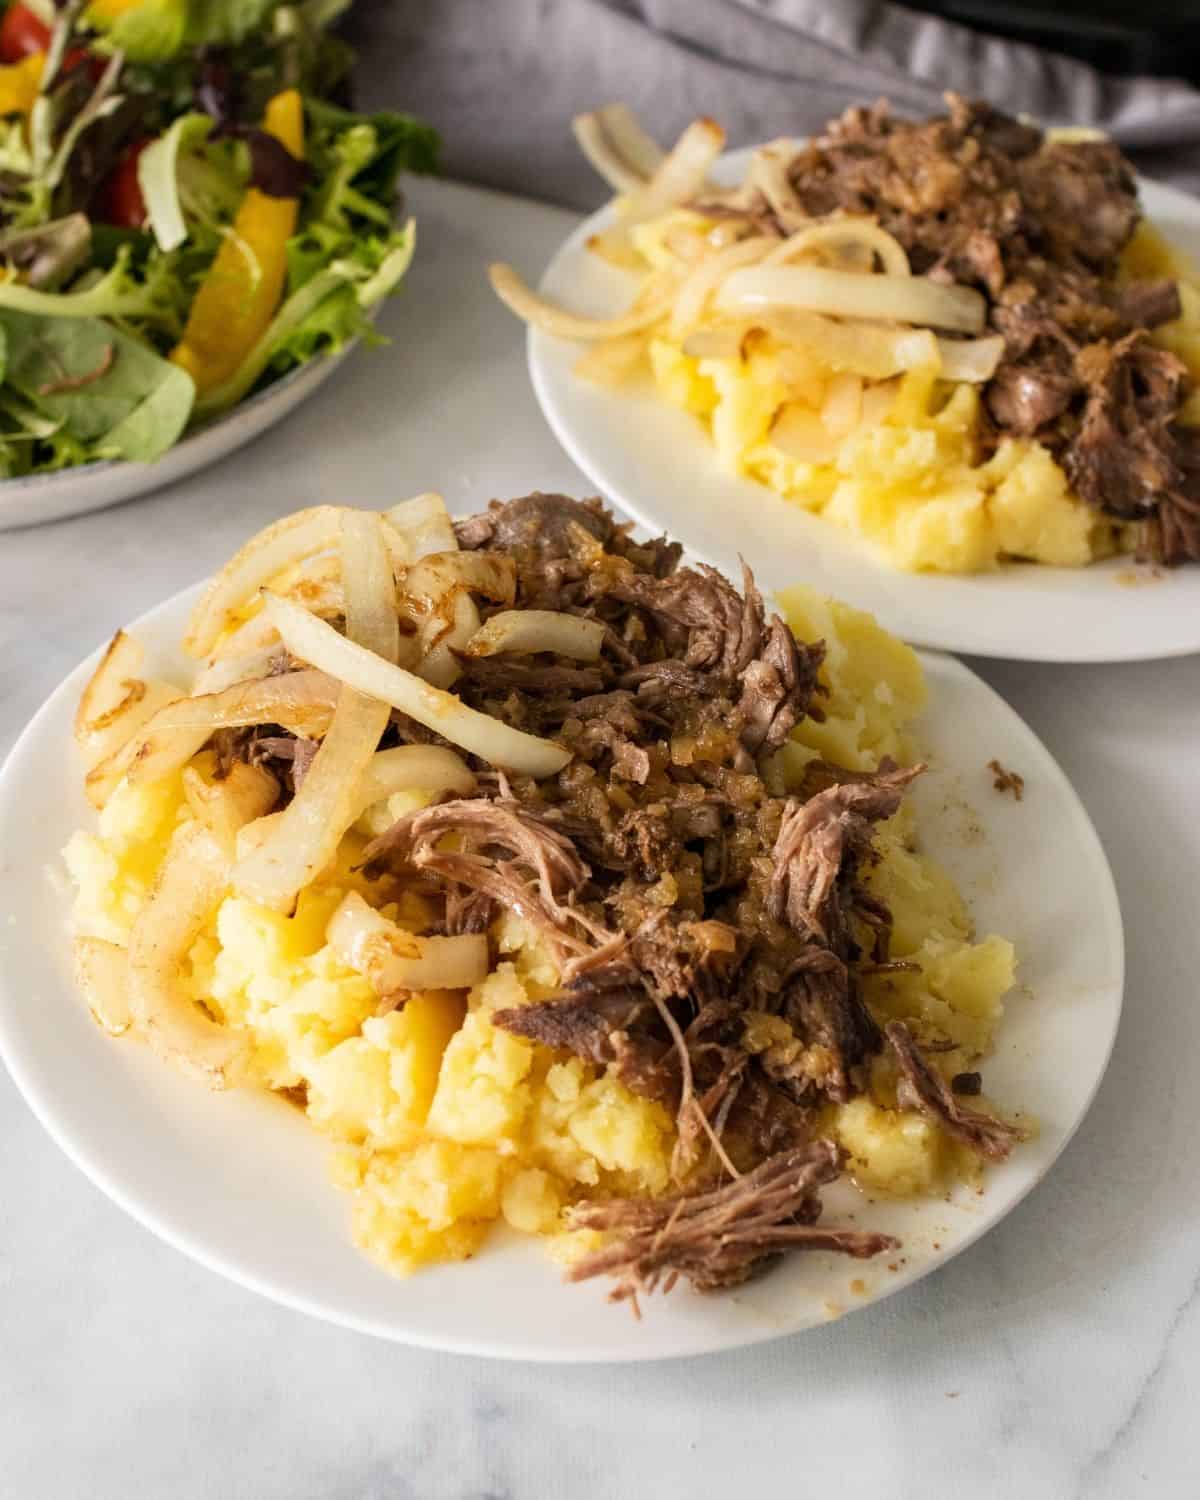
(501, 79)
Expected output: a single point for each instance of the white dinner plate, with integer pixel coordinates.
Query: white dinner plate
(238, 1180)
(659, 464)
(38, 498)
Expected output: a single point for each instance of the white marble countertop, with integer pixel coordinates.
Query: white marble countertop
(1058, 1357)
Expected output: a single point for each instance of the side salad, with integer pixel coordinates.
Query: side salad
(187, 212)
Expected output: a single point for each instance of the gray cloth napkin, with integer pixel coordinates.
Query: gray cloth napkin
(501, 79)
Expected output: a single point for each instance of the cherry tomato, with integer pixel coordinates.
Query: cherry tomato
(120, 200)
(21, 34)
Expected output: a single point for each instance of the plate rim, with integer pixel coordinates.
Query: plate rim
(598, 472)
(191, 1244)
(29, 483)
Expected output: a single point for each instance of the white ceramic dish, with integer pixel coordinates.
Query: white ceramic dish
(71, 492)
(659, 464)
(237, 1180)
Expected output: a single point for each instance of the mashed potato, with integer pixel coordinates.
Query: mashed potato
(442, 1125)
(909, 478)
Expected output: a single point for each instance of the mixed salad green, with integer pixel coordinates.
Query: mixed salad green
(187, 212)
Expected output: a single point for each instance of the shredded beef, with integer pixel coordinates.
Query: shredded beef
(923, 1087)
(1038, 226)
(820, 846)
(679, 891)
(721, 1237)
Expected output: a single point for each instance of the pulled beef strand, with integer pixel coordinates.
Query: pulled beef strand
(818, 841)
(1038, 226)
(721, 1237)
(923, 1088)
(507, 853)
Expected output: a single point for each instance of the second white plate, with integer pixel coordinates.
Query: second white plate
(238, 1181)
(658, 463)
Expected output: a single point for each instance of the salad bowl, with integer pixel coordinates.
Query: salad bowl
(38, 498)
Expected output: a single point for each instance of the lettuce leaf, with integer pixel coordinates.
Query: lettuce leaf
(158, 178)
(357, 159)
(104, 389)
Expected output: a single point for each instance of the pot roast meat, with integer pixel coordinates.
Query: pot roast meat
(923, 1088)
(679, 895)
(820, 846)
(1147, 304)
(1038, 226)
(506, 852)
(824, 1007)
(537, 523)
(721, 1237)
(777, 688)
(1026, 397)
(717, 642)
(1125, 452)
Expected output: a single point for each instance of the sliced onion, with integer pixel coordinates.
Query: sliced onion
(974, 360)
(492, 574)
(307, 835)
(275, 548)
(437, 591)
(113, 688)
(449, 627)
(252, 635)
(310, 828)
(638, 148)
(611, 361)
(311, 640)
(708, 275)
(842, 407)
(615, 246)
(538, 630)
(248, 666)
(800, 433)
(437, 594)
(723, 342)
(102, 973)
(369, 585)
(114, 705)
(850, 294)
(108, 740)
(560, 323)
(617, 147)
(839, 234)
(393, 960)
(192, 880)
(802, 369)
(688, 245)
(254, 835)
(302, 702)
(225, 807)
(861, 348)
(424, 523)
(769, 174)
(414, 768)
(682, 173)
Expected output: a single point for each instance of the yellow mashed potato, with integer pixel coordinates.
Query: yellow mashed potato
(442, 1125)
(911, 483)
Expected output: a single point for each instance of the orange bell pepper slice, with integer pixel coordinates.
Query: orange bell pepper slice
(244, 285)
(19, 84)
